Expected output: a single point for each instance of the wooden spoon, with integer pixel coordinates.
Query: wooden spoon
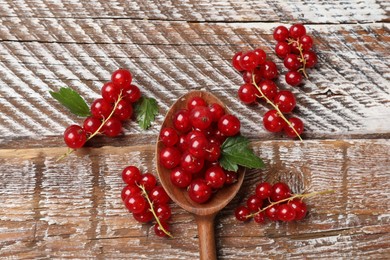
(204, 213)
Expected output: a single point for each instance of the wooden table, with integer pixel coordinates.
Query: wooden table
(72, 208)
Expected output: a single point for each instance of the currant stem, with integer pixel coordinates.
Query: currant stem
(275, 107)
(65, 154)
(145, 194)
(296, 196)
(301, 59)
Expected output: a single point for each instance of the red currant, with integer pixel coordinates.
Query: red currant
(280, 33)
(131, 93)
(191, 164)
(158, 195)
(282, 49)
(131, 175)
(272, 211)
(123, 110)
(311, 58)
(269, 70)
(285, 213)
(231, 177)
(112, 127)
(121, 78)
(247, 93)
(297, 30)
(213, 151)
(247, 76)
(261, 56)
(199, 191)
(268, 88)
(297, 124)
(180, 178)
(229, 125)
(170, 157)
(110, 92)
(136, 203)
(249, 60)
(201, 117)
(300, 208)
(215, 177)
(254, 203)
(182, 144)
(192, 134)
(273, 122)
(181, 120)
(217, 111)
(306, 42)
(75, 136)
(91, 124)
(160, 232)
(143, 217)
(148, 180)
(197, 146)
(263, 190)
(242, 213)
(100, 108)
(285, 100)
(293, 78)
(236, 61)
(168, 136)
(130, 190)
(291, 62)
(163, 211)
(259, 218)
(195, 102)
(280, 191)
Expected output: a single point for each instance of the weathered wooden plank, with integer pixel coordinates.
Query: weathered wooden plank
(337, 11)
(347, 94)
(72, 208)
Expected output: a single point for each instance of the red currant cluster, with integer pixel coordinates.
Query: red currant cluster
(257, 74)
(192, 147)
(146, 200)
(275, 202)
(294, 46)
(108, 112)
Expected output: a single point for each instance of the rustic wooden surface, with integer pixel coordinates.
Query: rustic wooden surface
(72, 208)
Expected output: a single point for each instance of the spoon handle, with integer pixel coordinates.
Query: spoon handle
(206, 237)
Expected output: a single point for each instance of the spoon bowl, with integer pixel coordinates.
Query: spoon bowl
(206, 212)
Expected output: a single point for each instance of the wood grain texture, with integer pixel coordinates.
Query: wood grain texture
(73, 208)
(346, 95)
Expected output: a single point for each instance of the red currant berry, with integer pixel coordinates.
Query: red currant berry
(213, 151)
(136, 203)
(123, 110)
(191, 164)
(242, 213)
(100, 108)
(271, 212)
(75, 136)
(285, 100)
(229, 125)
(159, 231)
(130, 190)
(215, 177)
(197, 147)
(273, 122)
(297, 30)
(306, 42)
(280, 191)
(168, 136)
(291, 62)
(91, 124)
(131, 175)
(300, 208)
(247, 75)
(259, 218)
(249, 60)
(261, 56)
(263, 190)
(297, 124)
(182, 143)
(163, 211)
(181, 120)
(201, 117)
(180, 178)
(293, 78)
(286, 213)
(121, 78)
(268, 88)
(231, 177)
(143, 217)
(248, 93)
(192, 134)
(254, 203)
(170, 157)
(158, 195)
(281, 33)
(199, 191)
(148, 180)
(282, 49)
(269, 70)
(294, 47)
(131, 93)
(236, 61)
(195, 102)
(311, 59)
(110, 92)
(112, 127)
(217, 111)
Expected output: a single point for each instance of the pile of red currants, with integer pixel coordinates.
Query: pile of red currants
(108, 112)
(275, 202)
(192, 147)
(146, 200)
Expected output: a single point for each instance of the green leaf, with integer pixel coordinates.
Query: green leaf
(71, 100)
(235, 152)
(146, 110)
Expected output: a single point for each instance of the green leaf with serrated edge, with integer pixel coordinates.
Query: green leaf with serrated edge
(71, 100)
(235, 152)
(146, 110)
